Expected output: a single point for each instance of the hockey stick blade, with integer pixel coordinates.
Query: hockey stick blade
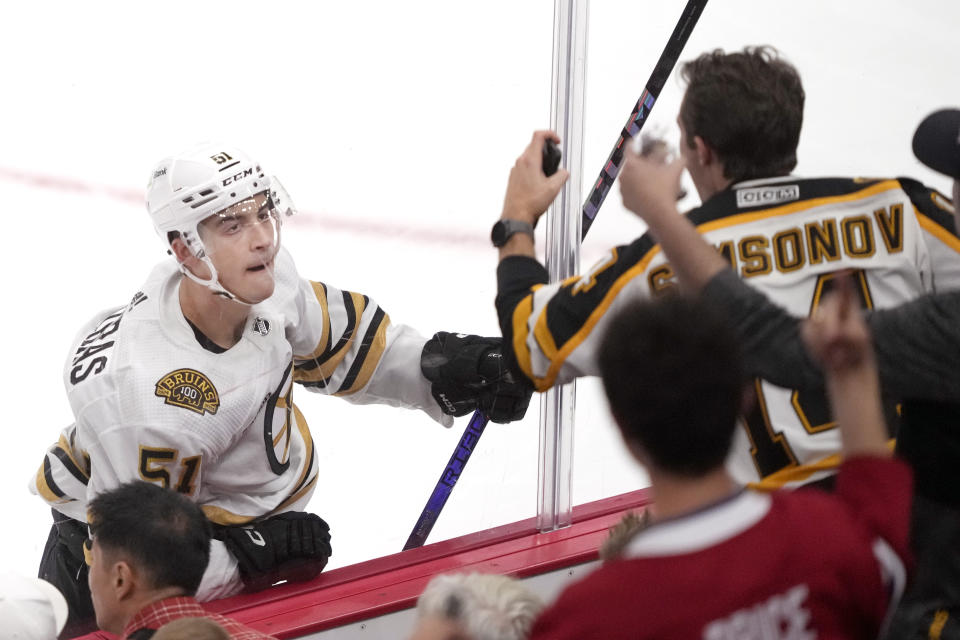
(638, 117)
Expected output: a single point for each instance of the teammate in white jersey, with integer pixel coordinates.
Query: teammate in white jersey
(189, 384)
(740, 124)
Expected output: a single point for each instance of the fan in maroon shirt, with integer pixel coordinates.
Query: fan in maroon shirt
(719, 562)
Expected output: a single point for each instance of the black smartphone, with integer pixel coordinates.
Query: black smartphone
(551, 158)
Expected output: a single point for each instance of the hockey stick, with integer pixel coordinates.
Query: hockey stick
(611, 168)
(668, 59)
(451, 473)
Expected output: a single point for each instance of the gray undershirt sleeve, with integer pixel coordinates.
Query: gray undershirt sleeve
(770, 336)
(917, 343)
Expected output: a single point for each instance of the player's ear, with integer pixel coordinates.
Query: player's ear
(122, 580)
(180, 250)
(705, 153)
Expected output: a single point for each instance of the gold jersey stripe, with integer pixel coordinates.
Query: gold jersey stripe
(370, 359)
(296, 496)
(219, 515)
(280, 435)
(325, 371)
(802, 472)
(940, 619)
(939, 232)
(307, 443)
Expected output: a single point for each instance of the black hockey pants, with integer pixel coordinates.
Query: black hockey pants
(63, 566)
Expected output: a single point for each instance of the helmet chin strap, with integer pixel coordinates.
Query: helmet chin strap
(213, 283)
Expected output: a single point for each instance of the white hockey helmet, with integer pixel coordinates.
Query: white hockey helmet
(189, 187)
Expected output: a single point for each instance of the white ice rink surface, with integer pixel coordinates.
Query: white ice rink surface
(393, 125)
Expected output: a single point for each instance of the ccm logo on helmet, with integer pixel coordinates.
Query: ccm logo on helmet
(237, 176)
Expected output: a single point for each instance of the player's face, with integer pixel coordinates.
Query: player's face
(242, 241)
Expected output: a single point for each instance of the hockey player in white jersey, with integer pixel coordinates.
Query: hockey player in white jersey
(740, 124)
(189, 385)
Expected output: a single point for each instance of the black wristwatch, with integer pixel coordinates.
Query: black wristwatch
(504, 229)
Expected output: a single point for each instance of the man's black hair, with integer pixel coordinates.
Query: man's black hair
(673, 375)
(748, 106)
(161, 531)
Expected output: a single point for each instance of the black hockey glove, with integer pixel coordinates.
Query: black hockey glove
(290, 546)
(468, 372)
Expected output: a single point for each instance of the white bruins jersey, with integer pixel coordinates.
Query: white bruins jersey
(786, 236)
(150, 403)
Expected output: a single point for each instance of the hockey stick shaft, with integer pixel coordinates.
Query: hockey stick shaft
(451, 473)
(638, 117)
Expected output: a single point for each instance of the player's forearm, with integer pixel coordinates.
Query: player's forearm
(918, 345)
(855, 399)
(516, 277)
(649, 189)
(398, 381)
(519, 244)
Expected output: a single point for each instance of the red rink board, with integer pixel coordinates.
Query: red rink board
(392, 583)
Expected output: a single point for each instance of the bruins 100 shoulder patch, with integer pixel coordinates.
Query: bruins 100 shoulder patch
(188, 389)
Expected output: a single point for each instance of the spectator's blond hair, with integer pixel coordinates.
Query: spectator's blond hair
(191, 629)
(487, 606)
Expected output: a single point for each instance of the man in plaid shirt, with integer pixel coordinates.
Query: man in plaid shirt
(148, 551)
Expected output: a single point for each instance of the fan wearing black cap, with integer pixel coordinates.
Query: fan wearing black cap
(936, 144)
(918, 355)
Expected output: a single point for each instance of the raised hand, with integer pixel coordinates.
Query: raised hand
(529, 190)
(649, 185)
(836, 335)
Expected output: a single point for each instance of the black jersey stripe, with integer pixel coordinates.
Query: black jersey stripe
(571, 308)
(68, 464)
(307, 476)
(48, 478)
(320, 292)
(352, 314)
(930, 203)
(358, 361)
